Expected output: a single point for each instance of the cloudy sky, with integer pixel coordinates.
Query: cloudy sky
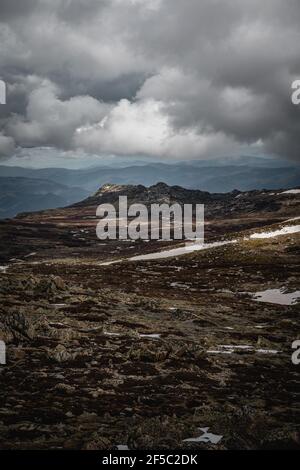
(163, 79)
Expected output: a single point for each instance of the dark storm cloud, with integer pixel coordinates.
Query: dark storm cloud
(12, 9)
(236, 63)
(166, 78)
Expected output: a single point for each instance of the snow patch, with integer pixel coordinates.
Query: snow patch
(181, 251)
(30, 254)
(292, 220)
(205, 437)
(107, 333)
(267, 351)
(277, 296)
(216, 351)
(276, 233)
(151, 335)
(291, 191)
(122, 447)
(180, 285)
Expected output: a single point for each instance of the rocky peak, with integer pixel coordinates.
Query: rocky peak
(160, 186)
(122, 189)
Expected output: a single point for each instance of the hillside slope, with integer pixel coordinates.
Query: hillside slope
(19, 194)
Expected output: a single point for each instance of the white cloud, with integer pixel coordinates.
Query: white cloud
(7, 146)
(143, 128)
(172, 78)
(52, 121)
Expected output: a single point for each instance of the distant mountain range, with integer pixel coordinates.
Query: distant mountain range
(244, 207)
(26, 189)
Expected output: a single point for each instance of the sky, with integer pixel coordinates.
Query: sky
(167, 80)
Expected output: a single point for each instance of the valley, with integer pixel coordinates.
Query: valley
(106, 350)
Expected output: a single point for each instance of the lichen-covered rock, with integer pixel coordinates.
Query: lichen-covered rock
(98, 443)
(162, 432)
(147, 352)
(15, 327)
(61, 354)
